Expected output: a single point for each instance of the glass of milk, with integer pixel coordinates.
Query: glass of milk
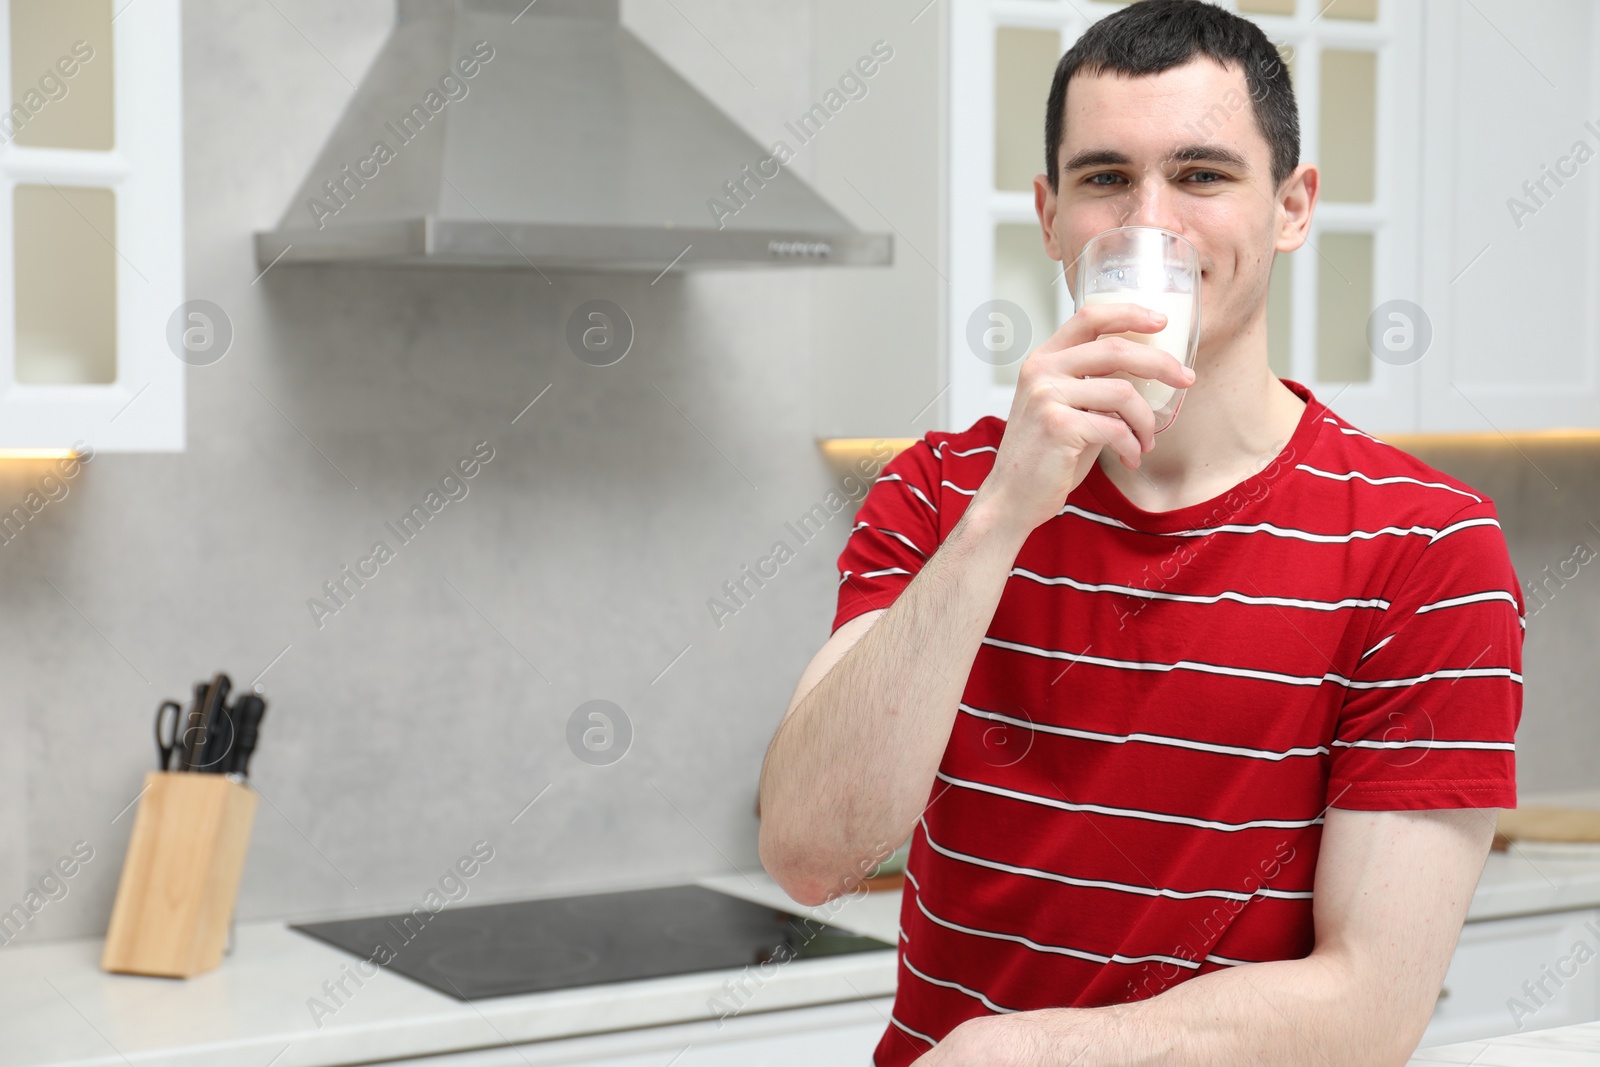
(1158, 269)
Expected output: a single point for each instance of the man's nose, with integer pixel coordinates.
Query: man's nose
(1152, 201)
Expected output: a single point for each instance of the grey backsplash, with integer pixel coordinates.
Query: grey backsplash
(430, 710)
(1547, 494)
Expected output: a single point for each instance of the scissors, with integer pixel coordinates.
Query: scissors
(166, 745)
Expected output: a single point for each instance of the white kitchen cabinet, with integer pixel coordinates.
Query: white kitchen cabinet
(1511, 208)
(840, 1035)
(91, 229)
(1493, 960)
(1404, 106)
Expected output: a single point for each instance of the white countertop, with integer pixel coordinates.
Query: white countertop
(1530, 879)
(1561, 1046)
(61, 1010)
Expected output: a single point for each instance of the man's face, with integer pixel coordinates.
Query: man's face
(1181, 150)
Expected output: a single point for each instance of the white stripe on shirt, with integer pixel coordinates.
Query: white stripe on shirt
(971, 451)
(1129, 813)
(1386, 480)
(1374, 648)
(913, 1033)
(1355, 432)
(1462, 525)
(1454, 602)
(1249, 672)
(1096, 883)
(958, 987)
(1153, 739)
(902, 538)
(1505, 746)
(1056, 950)
(1196, 598)
(1396, 683)
(1470, 598)
(1281, 531)
(917, 492)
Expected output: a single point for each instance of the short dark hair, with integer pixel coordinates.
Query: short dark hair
(1151, 36)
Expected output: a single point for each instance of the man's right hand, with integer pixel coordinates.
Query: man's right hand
(1061, 418)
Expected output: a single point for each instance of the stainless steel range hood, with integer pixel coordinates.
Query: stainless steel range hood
(498, 133)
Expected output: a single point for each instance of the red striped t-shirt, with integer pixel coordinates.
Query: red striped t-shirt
(1166, 703)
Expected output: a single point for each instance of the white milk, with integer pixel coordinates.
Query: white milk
(1173, 338)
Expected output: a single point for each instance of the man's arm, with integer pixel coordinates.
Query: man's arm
(1391, 894)
(849, 768)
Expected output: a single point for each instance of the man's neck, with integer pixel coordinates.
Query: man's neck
(1235, 419)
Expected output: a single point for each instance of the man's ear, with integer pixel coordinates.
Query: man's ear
(1297, 198)
(1044, 204)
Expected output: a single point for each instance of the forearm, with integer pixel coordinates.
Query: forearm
(1285, 1013)
(849, 770)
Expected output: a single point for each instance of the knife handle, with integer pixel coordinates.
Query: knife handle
(247, 715)
(208, 748)
(224, 739)
(190, 728)
(236, 716)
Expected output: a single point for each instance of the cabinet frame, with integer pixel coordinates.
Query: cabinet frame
(142, 410)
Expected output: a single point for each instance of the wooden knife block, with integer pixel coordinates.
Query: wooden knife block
(175, 900)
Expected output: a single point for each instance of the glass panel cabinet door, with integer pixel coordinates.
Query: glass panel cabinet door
(91, 154)
(1024, 62)
(1025, 276)
(1267, 7)
(66, 273)
(1349, 123)
(1344, 303)
(61, 86)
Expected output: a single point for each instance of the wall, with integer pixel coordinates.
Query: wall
(429, 711)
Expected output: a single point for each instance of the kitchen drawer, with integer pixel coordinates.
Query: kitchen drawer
(1495, 957)
(840, 1035)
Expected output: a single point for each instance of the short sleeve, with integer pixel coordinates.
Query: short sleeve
(1432, 706)
(896, 531)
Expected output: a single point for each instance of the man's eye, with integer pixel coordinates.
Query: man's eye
(1201, 177)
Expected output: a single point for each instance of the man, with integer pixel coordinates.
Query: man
(1199, 751)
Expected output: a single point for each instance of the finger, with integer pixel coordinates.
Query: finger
(1109, 354)
(1110, 431)
(1092, 320)
(1113, 396)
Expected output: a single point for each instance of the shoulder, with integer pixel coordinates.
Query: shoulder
(977, 442)
(938, 451)
(942, 464)
(1447, 548)
(981, 438)
(1384, 481)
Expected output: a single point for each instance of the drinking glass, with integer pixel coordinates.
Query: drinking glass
(1158, 269)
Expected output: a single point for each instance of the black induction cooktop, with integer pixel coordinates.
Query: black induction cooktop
(496, 950)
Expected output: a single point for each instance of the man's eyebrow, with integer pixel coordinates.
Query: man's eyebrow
(1210, 153)
(1194, 153)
